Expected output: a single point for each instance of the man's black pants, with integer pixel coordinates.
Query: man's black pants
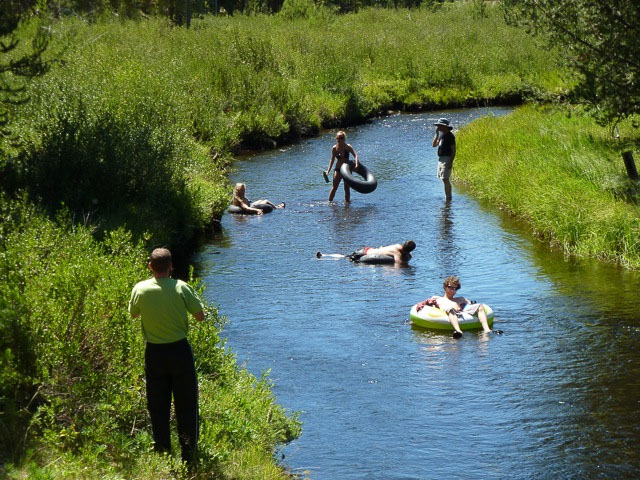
(170, 369)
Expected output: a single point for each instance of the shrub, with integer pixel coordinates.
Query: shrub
(71, 358)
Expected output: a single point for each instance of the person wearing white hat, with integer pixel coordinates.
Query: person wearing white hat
(446, 143)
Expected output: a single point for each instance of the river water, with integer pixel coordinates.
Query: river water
(556, 396)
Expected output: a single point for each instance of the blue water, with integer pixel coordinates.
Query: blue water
(556, 396)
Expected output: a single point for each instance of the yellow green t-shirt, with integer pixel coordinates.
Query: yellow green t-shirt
(164, 305)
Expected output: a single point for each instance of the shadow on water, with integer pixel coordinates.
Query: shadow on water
(556, 396)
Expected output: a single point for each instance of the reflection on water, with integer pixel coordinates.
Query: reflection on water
(347, 217)
(556, 396)
(447, 246)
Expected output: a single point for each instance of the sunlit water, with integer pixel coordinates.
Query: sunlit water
(556, 396)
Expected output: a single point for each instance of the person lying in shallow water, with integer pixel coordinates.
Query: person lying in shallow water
(454, 305)
(401, 253)
(240, 200)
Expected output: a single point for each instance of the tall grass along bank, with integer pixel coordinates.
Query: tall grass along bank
(71, 366)
(562, 173)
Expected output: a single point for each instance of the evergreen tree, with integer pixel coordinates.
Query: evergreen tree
(14, 67)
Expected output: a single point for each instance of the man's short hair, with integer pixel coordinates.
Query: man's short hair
(160, 260)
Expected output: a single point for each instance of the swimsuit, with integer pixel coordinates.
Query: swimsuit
(342, 157)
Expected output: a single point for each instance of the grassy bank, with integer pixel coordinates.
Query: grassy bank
(561, 173)
(71, 366)
(134, 115)
(131, 134)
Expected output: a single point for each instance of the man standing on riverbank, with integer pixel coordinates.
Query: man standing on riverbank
(163, 305)
(446, 143)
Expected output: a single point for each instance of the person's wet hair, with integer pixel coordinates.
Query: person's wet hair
(408, 246)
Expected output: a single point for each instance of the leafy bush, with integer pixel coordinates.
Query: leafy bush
(71, 357)
(135, 122)
(297, 9)
(116, 168)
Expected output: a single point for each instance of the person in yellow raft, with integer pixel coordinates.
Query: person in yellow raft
(453, 305)
(164, 305)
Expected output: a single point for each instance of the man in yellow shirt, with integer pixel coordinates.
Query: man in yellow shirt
(164, 305)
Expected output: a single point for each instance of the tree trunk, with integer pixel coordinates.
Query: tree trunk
(630, 164)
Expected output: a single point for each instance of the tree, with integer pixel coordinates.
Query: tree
(15, 68)
(601, 42)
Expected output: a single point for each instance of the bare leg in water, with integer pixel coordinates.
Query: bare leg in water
(267, 202)
(453, 319)
(337, 178)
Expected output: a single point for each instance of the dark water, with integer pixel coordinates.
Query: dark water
(557, 396)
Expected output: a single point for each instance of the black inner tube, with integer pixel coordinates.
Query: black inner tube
(265, 207)
(367, 184)
(236, 210)
(376, 259)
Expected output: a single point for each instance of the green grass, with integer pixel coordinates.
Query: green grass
(72, 388)
(562, 173)
(131, 133)
(135, 123)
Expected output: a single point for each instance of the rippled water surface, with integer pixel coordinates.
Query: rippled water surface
(556, 396)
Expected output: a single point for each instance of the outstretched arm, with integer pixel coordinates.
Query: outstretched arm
(429, 301)
(333, 157)
(244, 204)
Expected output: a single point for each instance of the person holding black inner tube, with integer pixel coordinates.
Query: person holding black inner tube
(340, 153)
(445, 140)
(164, 305)
(240, 200)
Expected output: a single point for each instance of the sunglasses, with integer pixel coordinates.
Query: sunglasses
(451, 286)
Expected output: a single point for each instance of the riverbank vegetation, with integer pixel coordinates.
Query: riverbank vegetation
(601, 43)
(71, 371)
(560, 172)
(134, 115)
(125, 143)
